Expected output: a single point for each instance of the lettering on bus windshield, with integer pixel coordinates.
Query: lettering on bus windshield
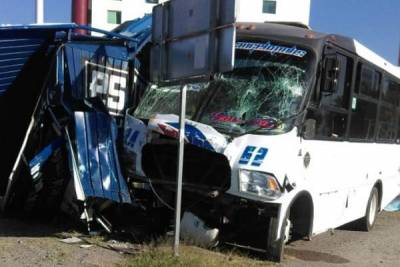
(272, 48)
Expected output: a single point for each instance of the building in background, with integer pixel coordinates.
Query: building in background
(107, 14)
(274, 10)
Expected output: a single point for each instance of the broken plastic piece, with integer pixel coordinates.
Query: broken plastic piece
(72, 240)
(194, 229)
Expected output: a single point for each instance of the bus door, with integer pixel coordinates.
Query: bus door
(326, 123)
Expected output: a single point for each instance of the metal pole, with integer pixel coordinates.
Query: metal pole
(180, 169)
(80, 13)
(39, 11)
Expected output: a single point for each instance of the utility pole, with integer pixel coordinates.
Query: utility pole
(80, 13)
(39, 11)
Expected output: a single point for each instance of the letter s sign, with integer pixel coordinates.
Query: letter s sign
(110, 85)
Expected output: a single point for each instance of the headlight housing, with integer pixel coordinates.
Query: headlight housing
(259, 183)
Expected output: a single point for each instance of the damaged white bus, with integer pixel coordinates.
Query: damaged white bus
(301, 137)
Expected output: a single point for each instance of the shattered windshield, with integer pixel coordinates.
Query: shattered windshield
(262, 94)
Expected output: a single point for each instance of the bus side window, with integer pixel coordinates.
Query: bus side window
(336, 81)
(330, 115)
(388, 129)
(327, 124)
(364, 106)
(363, 119)
(368, 81)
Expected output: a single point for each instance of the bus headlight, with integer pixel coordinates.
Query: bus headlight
(259, 183)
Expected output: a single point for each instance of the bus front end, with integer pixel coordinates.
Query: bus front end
(241, 152)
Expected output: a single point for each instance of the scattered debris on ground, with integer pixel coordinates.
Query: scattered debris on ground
(72, 240)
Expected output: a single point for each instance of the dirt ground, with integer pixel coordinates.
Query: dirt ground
(38, 244)
(346, 247)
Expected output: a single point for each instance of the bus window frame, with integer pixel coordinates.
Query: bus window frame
(384, 75)
(314, 101)
(390, 78)
(314, 104)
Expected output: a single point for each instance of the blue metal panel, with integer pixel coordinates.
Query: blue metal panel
(13, 55)
(19, 42)
(106, 61)
(138, 29)
(11, 67)
(115, 51)
(83, 155)
(17, 45)
(37, 162)
(16, 54)
(7, 78)
(16, 31)
(4, 64)
(100, 175)
(15, 42)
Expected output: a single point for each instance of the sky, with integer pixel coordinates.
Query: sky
(375, 23)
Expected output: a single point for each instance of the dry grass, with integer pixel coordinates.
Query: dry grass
(159, 253)
(162, 256)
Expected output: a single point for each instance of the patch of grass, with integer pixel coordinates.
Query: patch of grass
(58, 256)
(162, 256)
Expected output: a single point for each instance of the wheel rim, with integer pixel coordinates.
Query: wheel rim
(372, 209)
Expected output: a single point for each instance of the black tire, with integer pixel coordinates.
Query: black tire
(276, 250)
(368, 221)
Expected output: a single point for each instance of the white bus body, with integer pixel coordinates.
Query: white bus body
(316, 181)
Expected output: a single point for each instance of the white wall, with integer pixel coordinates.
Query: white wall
(130, 9)
(286, 10)
(248, 11)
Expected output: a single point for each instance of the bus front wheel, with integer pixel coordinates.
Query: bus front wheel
(276, 250)
(368, 221)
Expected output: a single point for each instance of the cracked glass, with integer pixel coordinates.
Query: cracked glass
(262, 94)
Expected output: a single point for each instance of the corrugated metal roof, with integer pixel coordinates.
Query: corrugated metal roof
(14, 53)
(19, 42)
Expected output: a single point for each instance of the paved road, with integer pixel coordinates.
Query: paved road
(380, 247)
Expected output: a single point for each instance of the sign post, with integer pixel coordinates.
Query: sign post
(193, 40)
(180, 169)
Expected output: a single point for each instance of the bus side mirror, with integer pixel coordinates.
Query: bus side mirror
(331, 75)
(309, 129)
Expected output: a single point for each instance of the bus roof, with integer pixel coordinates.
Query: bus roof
(316, 40)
